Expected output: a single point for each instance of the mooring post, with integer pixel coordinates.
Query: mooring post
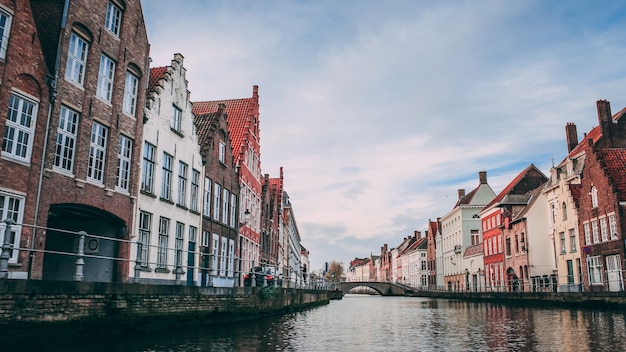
(6, 250)
(80, 261)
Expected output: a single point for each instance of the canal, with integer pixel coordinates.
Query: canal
(375, 323)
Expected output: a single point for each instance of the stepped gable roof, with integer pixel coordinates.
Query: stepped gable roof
(432, 227)
(473, 250)
(517, 185)
(594, 134)
(205, 127)
(156, 74)
(238, 112)
(614, 162)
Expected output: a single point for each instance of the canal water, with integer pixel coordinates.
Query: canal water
(375, 323)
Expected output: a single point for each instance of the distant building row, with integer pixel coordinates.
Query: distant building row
(564, 232)
(168, 191)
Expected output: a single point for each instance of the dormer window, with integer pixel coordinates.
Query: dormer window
(594, 197)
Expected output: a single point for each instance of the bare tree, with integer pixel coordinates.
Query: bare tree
(335, 272)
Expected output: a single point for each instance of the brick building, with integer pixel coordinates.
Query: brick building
(24, 105)
(78, 156)
(601, 216)
(431, 252)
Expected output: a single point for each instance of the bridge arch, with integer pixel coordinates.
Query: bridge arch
(383, 288)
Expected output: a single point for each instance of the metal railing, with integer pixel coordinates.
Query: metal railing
(212, 266)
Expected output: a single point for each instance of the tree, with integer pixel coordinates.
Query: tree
(335, 272)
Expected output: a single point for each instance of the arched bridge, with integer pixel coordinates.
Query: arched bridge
(384, 288)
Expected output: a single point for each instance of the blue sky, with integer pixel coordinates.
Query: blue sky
(380, 110)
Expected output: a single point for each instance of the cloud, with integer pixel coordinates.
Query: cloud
(379, 112)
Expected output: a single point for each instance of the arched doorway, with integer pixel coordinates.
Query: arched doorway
(512, 280)
(63, 220)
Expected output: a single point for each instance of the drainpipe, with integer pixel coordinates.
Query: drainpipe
(52, 84)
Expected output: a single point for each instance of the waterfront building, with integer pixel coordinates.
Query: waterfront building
(497, 216)
(272, 251)
(431, 252)
(306, 264)
(169, 209)
(385, 264)
(602, 211)
(399, 263)
(72, 138)
(244, 132)
(473, 268)
(416, 268)
(357, 270)
(293, 263)
(25, 100)
(373, 269)
(460, 228)
(439, 276)
(562, 192)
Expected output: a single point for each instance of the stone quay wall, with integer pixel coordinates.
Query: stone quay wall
(49, 308)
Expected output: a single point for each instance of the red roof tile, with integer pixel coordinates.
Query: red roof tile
(156, 73)
(614, 160)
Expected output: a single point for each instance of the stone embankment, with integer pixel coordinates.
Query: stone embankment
(33, 309)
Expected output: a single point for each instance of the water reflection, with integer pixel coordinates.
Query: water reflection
(374, 323)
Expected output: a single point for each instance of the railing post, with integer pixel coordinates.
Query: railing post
(138, 261)
(80, 261)
(6, 250)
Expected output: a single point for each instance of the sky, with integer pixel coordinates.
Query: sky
(379, 111)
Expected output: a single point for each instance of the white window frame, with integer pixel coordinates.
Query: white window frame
(67, 130)
(206, 206)
(594, 231)
(594, 268)
(106, 74)
(166, 182)
(177, 116)
(217, 194)
(76, 59)
(233, 209)
(97, 152)
(572, 239)
(225, 206)
(587, 229)
(603, 230)
(178, 244)
(223, 256)
(5, 30)
(12, 207)
(163, 245)
(19, 132)
(145, 230)
(113, 20)
(182, 183)
(147, 168)
(215, 243)
(231, 258)
(195, 188)
(594, 197)
(613, 227)
(124, 161)
(222, 152)
(131, 85)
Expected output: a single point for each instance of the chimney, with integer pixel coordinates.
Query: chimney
(482, 177)
(572, 136)
(417, 234)
(604, 116)
(461, 193)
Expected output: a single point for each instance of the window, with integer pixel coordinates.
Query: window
(216, 201)
(97, 152)
(5, 29)
(499, 243)
(178, 244)
(231, 258)
(233, 209)
(11, 207)
(76, 59)
(222, 152)
(206, 207)
(113, 19)
(594, 265)
(20, 127)
(147, 168)
(594, 231)
(214, 251)
(572, 240)
(225, 206)
(508, 246)
(475, 237)
(604, 230)
(564, 209)
(182, 183)
(145, 226)
(594, 196)
(66, 139)
(195, 179)
(164, 228)
(223, 256)
(613, 227)
(562, 236)
(205, 239)
(587, 234)
(552, 213)
(105, 78)
(130, 94)
(166, 183)
(193, 233)
(124, 159)
(176, 119)
(423, 265)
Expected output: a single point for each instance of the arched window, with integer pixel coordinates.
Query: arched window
(564, 207)
(594, 196)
